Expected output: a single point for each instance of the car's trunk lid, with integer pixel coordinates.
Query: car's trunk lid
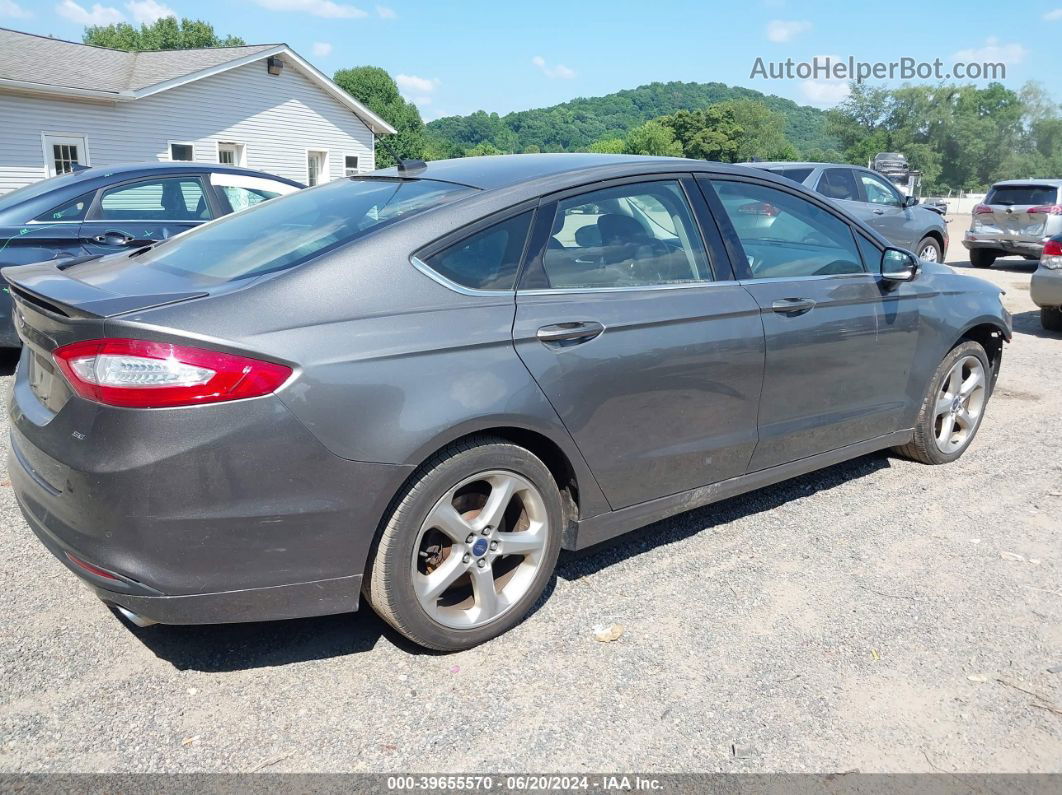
(52, 309)
(1016, 211)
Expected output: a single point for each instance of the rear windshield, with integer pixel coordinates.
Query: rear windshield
(795, 174)
(1022, 194)
(289, 230)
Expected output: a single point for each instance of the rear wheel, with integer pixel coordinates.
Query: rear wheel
(953, 407)
(982, 257)
(929, 249)
(469, 547)
(1051, 318)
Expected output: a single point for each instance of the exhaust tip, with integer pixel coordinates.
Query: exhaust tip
(135, 619)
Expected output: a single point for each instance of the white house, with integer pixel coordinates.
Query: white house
(260, 106)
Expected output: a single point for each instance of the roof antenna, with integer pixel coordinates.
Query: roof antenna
(404, 163)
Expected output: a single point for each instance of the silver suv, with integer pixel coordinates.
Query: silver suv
(1017, 217)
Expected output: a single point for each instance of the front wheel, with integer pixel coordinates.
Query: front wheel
(953, 407)
(929, 249)
(469, 547)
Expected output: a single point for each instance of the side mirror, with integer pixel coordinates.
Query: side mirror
(910, 201)
(898, 265)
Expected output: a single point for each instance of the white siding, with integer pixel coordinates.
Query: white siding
(277, 118)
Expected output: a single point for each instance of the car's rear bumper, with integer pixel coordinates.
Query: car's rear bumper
(1045, 287)
(231, 512)
(1023, 247)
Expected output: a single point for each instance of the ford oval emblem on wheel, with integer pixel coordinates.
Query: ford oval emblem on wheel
(480, 547)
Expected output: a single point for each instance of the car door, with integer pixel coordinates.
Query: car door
(648, 350)
(886, 212)
(839, 345)
(143, 211)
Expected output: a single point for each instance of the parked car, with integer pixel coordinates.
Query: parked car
(1016, 217)
(421, 384)
(97, 211)
(871, 198)
(1046, 285)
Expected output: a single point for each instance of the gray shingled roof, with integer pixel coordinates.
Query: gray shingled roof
(54, 62)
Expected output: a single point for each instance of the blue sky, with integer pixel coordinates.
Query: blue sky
(465, 55)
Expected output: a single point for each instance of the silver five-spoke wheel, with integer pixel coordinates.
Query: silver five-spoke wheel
(928, 253)
(960, 403)
(479, 549)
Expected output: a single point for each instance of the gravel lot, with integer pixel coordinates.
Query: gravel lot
(879, 615)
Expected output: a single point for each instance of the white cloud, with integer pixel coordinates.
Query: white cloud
(782, 30)
(321, 48)
(383, 12)
(421, 101)
(993, 52)
(9, 8)
(825, 92)
(559, 71)
(99, 15)
(412, 83)
(316, 8)
(145, 12)
(1054, 16)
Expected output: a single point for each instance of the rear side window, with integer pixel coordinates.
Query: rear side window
(73, 210)
(279, 234)
(838, 183)
(488, 259)
(1022, 194)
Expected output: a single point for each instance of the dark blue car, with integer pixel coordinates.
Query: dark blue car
(97, 211)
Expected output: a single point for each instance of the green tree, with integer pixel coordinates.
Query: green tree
(608, 146)
(708, 134)
(762, 130)
(377, 90)
(485, 148)
(163, 34)
(652, 138)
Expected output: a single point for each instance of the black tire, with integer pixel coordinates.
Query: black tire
(1051, 318)
(930, 241)
(982, 257)
(923, 447)
(389, 580)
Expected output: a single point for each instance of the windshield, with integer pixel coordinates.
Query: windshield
(280, 234)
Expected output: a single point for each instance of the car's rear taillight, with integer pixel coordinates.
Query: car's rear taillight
(759, 208)
(982, 209)
(146, 374)
(1052, 256)
(1047, 209)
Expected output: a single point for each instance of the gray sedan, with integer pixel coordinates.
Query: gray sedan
(874, 200)
(419, 386)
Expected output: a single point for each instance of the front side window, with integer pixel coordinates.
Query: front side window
(637, 235)
(838, 183)
(171, 199)
(488, 259)
(274, 235)
(785, 235)
(879, 191)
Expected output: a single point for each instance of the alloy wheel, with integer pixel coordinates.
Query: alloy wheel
(960, 404)
(479, 549)
(928, 253)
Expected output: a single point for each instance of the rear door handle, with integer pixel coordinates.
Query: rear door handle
(571, 333)
(793, 306)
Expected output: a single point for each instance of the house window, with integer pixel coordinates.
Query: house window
(63, 152)
(230, 153)
(179, 151)
(316, 167)
(350, 165)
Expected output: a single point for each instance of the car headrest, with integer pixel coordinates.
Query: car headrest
(617, 229)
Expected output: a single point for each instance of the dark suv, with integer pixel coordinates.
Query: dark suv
(96, 211)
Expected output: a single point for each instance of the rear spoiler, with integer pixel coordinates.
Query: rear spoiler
(45, 285)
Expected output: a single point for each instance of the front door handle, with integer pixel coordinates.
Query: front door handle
(879, 211)
(571, 333)
(114, 239)
(793, 306)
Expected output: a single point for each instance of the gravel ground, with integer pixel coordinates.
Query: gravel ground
(879, 615)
